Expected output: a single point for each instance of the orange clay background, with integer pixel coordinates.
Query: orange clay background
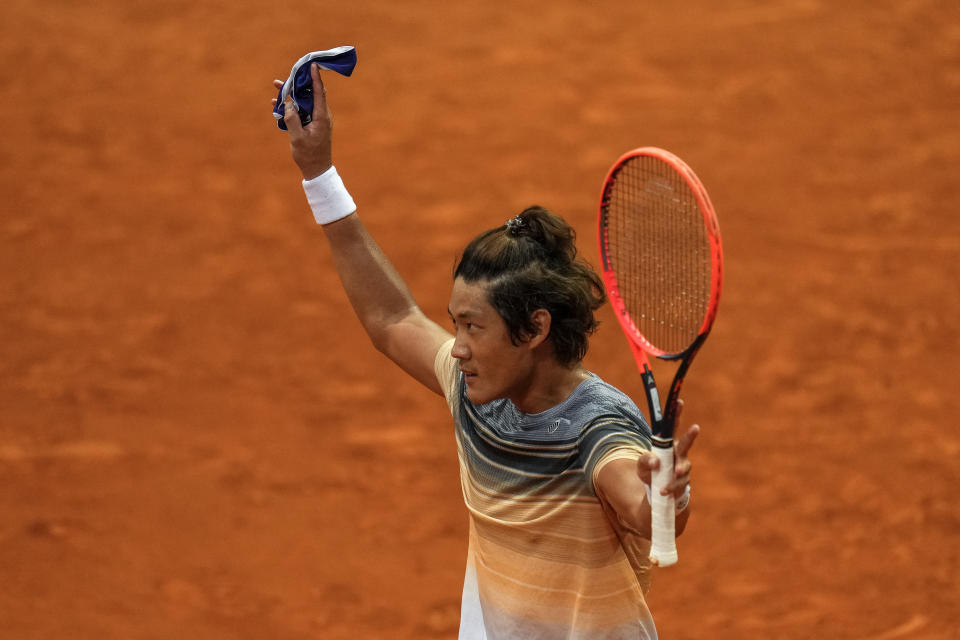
(196, 440)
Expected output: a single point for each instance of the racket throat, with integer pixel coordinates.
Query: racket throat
(653, 396)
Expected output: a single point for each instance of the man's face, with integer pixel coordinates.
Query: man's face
(492, 365)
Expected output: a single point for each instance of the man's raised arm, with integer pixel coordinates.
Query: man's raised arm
(383, 303)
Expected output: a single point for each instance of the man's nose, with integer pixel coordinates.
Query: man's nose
(460, 350)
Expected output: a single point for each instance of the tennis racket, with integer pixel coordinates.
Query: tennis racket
(662, 265)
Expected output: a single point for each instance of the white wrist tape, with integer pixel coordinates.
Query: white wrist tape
(328, 198)
(683, 501)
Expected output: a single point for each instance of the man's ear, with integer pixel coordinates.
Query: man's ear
(541, 321)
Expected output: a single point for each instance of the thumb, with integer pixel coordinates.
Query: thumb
(646, 465)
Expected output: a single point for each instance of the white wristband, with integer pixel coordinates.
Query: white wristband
(328, 198)
(684, 500)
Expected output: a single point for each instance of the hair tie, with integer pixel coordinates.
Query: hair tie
(516, 225)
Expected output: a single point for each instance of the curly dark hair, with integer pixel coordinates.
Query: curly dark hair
(531, 263)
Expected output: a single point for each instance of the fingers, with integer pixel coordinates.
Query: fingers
(291, 117)
(676, 487)
(277, 84)
(685, 442)
(681, 465)
(681, 477)
(319, 93)
(320, 110)
(648, 463)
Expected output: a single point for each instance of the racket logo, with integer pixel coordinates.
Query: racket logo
(653, 185)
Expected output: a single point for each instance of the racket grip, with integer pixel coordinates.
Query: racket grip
(663, 543)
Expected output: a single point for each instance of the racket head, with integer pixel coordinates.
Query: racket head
(660, 251)
(662, 265)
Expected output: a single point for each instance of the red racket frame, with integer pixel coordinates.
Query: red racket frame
(663, 547)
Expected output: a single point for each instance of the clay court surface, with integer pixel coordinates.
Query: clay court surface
(196, 440)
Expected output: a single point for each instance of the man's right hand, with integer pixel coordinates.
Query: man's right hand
(310, 146)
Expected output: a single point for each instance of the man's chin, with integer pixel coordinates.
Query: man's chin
(477, 397)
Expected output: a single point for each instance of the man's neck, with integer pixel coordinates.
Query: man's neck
(551, 384)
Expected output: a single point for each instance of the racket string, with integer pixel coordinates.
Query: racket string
(659, 247)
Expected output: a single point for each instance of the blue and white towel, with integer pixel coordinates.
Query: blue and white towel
(299, 85)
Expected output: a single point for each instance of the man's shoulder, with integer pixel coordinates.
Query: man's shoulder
(600, 399)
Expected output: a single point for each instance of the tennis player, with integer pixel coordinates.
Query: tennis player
(554, 462)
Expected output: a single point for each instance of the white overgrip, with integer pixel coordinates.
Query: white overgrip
(663, 542)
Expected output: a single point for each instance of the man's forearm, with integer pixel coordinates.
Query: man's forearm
(376, 291)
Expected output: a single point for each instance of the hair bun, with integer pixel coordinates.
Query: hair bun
(550, 231)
